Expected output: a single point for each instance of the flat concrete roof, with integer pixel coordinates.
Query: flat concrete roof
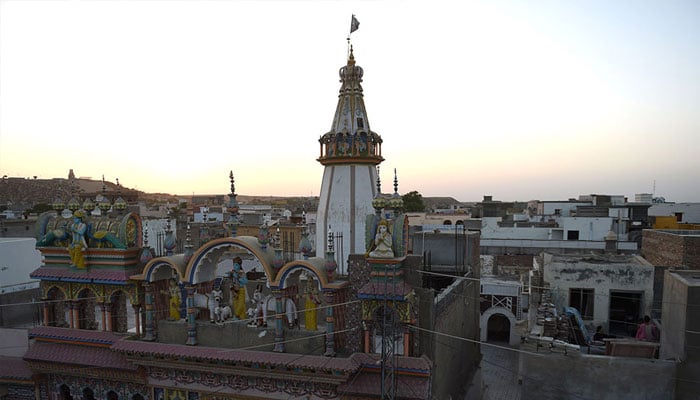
(691, 277)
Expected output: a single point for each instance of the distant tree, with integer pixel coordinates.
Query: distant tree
(40, 208)
(413, 202)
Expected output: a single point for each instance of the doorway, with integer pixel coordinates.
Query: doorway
(499, 328)
(625, 312)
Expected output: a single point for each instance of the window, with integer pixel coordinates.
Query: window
(582, 300)
(571, 235)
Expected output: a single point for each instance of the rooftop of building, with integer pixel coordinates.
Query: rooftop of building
(678, 232)
(599, 258)
(689, 277)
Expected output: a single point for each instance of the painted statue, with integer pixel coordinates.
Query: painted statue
(382, 245)
(311, 304)
(238, 293)
(78, 245)
(174, 302)
(259, 313)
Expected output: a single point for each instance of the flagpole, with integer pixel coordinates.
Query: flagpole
(354, 24)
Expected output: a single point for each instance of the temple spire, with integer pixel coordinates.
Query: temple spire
(350, 139)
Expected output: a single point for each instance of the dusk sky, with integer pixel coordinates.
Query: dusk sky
(519, 100)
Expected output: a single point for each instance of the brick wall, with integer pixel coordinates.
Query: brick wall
(671, 249)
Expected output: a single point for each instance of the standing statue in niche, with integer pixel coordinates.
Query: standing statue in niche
(78, 245)
(174, 302)
(238, 293)
(382, 245)
(311, 304)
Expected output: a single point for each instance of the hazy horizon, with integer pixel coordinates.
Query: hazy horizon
(515, 100)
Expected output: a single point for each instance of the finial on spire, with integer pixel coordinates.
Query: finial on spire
(233, 187)
(396, 183)
(379, 184)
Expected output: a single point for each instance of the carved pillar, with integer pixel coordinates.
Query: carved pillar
(367, 337)
(406, 341)
(191, 313)
(103, 311)
(45, 308)
(73, 305)
(108, 311)
(148, 297)
(330, 338)
(279, 332)
(137, 319)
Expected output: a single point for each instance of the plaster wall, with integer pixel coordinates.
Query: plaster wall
(580, 376)
(448, 248)
(18, 258)
(680, 340)
(15, 342)
(491, 230)
(566, 272)
(344, 203)
(26, 310)
(593, 229)
(534, 247)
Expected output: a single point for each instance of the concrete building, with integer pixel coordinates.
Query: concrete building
(614, 291)
(18, 258)
(686, 213)
(680, 336)
(643, 198)
(571, 226)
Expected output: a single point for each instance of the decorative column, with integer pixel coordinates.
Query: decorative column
(233, 208)
(108, 310)
(330, 337)
(45, 307)
(148, 296)
(170, 241)
(406, 342)
(263, 239)
(279, 315)
(330, 263)
(191, 313)
(278, 261)
(137, 319)
(305, 244)
(103, 310)
(73, 315)
(368, 336)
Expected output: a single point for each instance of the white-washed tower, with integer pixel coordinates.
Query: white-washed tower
(350, 153)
